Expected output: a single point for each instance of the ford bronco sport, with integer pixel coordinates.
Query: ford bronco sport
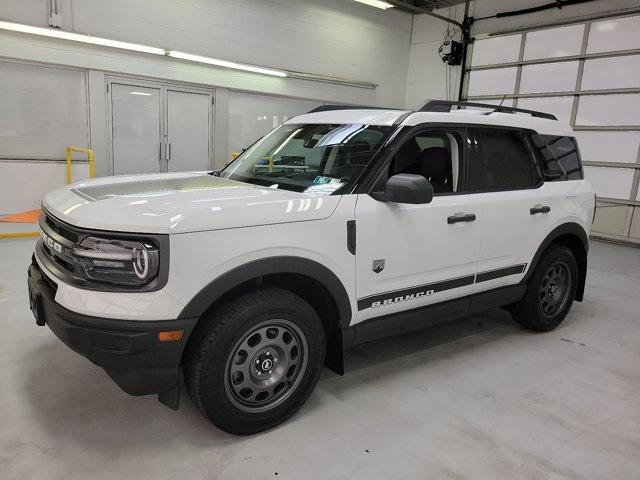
(340, 226)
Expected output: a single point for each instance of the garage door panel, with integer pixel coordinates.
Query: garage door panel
(549, 77)
(609, 110)
(497, 81)
(610, 218)
(610, 182)
(635, 224)
(612, 72)
(614, 34)
(608, 146)
(554, 42)
(496, 50)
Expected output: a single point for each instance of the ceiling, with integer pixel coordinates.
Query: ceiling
(412, 5)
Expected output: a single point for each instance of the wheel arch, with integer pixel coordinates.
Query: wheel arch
(314, 282)
(573, 236)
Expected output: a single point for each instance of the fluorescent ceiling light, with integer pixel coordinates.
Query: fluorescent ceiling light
(225, 63)
(77, 37)
(145, 94)
(105, 42)
(376, 3)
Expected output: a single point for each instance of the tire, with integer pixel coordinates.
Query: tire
(550, 291)
(255, 360)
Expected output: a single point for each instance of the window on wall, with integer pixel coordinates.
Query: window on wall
(588, 75)
(498, 160)
(253, 116)
(43, 109)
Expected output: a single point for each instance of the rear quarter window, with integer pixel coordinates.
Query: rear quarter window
(557, 157)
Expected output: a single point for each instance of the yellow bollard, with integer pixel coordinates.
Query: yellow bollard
(92, 173)
(91, 157)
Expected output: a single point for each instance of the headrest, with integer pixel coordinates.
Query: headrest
(436, 164)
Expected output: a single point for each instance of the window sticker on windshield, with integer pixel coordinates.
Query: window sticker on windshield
(321, 190)
(320, 180)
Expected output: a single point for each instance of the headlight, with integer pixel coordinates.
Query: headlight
(118, 262)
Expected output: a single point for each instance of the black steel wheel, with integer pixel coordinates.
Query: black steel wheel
(551, 289)
(555, 288)
(252, 363)
(266, 365)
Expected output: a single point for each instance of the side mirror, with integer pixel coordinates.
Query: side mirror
(406, 188)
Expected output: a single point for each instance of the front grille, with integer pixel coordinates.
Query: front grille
(64, 237)
(60, 229)
(68, 266)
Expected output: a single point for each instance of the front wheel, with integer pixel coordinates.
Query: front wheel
(255, 360)
(550, 291)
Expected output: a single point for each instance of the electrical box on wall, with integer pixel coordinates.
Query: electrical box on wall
(451, 52)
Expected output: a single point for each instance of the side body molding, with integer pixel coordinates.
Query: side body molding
(574, 236)
(258, 269)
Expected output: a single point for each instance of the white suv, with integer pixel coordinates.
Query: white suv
(340, 226)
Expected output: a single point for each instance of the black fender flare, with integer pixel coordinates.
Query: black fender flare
(257, 269)
(266, 266)
(575, 230)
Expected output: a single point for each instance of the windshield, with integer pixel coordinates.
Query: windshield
(319, 159)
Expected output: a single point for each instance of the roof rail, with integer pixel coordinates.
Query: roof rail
(328, 108)
(445, 106)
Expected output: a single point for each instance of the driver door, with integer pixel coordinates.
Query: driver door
(409, 256)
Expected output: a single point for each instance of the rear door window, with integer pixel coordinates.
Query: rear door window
(498, 160)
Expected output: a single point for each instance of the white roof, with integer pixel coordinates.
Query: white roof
(364, 116)
(388, 117)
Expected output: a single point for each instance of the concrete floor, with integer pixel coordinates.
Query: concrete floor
(477, 398)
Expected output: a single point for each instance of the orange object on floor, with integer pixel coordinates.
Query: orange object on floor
(23, 217)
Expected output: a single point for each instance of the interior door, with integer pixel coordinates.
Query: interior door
(188, 131)
(136, 129)
(409, 256)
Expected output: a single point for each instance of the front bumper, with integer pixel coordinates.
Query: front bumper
(129, 351)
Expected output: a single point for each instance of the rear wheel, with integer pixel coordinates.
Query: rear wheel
(255, 360)
(550, 291)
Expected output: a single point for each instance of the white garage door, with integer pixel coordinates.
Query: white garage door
(587, 74)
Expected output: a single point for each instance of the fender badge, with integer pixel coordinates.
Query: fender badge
(378, 265)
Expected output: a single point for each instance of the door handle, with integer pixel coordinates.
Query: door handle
(165, 151)
(461, 217)
(539, 209)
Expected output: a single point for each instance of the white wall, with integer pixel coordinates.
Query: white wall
(428, 76)
(329, 37)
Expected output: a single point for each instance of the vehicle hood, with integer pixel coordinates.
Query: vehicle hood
(181, 203)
